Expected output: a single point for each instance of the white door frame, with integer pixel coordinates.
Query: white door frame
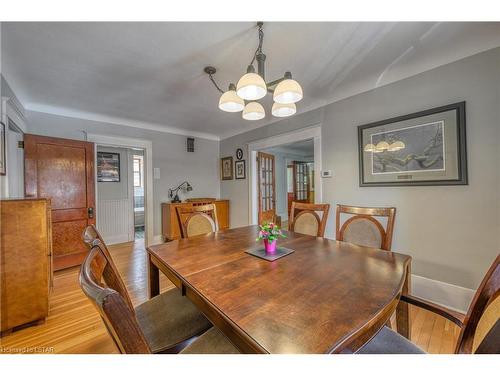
(314, 132)
(113, 141)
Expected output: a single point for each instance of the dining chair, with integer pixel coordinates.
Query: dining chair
(479, 328)
(304, 218)
(168, 312)
(197, 220)
(154, 326)
(362, 227)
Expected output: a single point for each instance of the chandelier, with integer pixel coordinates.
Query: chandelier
(252, 86)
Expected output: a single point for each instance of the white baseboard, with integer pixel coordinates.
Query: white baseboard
(111, 240)
(447, 295)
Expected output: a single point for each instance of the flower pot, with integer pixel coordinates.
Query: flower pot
(270, 246)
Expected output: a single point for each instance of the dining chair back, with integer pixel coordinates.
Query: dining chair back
(363, 228)
(305, 218)
(98, 282)
(197, 220)
(92, 237)
(481, 330)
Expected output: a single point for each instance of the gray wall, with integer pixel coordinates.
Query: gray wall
(169, 154)
(452, 232)
(115, 190)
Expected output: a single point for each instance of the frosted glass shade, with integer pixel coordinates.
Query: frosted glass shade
(370, 147)
(288, 91)
(283, 110)
(253, 111)
(381, 146)
(398, 145)
(231, 102)
(251, 87)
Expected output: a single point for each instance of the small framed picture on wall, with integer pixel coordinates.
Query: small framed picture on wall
(226, 168)
(108, 167)
(240, 169)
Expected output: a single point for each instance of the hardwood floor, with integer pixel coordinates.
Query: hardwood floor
(73, 325)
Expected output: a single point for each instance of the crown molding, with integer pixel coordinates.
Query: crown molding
(90, 116)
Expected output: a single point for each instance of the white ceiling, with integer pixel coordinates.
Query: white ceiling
(151, 74)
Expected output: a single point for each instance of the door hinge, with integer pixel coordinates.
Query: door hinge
(20, 144)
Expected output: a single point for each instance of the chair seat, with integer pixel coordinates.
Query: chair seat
(211, 342)
(388, 341)
(168, 319)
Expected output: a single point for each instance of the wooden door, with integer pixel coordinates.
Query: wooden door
(301, 183)
(62, 170)
(266, 187)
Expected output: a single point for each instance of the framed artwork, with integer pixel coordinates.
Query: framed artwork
(108, 167)
(239, 154)
(424, 148)
(3, 165)
(240, 169)
(226, 168)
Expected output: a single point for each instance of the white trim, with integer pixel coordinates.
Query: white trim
(313, 131)
(12, 109)
(106, 140)
(69, 112)
(130, 190)
(157, 240)
(447, 295)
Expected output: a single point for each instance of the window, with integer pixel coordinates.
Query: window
(138, 170)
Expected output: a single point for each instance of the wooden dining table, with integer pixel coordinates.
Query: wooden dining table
(325, 297)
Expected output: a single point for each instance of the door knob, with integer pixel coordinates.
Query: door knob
(90, 212)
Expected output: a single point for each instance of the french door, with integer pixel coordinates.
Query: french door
(301, 183)
(266, 187)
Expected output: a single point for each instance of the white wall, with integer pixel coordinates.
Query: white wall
(201, 168)
(451, 232)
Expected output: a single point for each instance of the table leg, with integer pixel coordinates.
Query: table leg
(402, 311)
(154, 279)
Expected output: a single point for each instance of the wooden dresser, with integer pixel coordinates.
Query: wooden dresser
(26, 261)
(171, 229)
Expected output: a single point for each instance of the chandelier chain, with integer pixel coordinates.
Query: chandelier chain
(215, 83)
(259, 48)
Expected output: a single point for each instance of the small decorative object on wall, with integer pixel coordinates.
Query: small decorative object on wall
(240, 169)
(226, 168)
(3, 166)
(108, 167)
(239, 154)
(424, 148)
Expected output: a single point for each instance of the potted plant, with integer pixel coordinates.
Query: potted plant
(269, 232)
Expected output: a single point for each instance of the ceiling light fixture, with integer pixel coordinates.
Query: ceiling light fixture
(252, 86)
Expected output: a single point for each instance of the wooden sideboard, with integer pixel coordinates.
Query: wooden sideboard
(171, 229)
(26, 261)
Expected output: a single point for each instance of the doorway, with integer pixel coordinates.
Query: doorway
(136, 208)
(302, 147)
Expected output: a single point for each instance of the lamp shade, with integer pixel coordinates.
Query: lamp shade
(288, 91)
(398, 145)
(231, 102)
(253, 111)
(283, 110)
(381, 146)
(370, 147)
(251, 87)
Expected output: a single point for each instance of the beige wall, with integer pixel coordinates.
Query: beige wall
(452, 232)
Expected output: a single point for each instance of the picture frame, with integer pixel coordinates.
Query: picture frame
(239, 154)
(226, 168)
(424, 148)
(108, 166)
(3, 161)
(240, 170)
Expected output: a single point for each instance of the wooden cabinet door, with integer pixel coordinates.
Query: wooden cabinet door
(62, 170)
(266, 187)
